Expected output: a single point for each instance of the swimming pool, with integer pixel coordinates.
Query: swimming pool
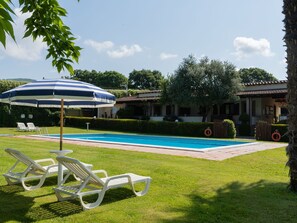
(170, 142)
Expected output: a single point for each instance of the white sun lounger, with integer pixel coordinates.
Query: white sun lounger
(33, 170)
(32, 127)
(21, 126)
(91, 184)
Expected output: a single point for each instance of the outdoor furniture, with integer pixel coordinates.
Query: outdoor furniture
(21, 126)
(32, 127)
(92, 184)
(33, 170)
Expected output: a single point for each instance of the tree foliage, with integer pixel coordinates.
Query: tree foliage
(6, 85)
(6, 21)
(145, 79)
(112, 80)
(107, 79)
(45, 21)
(253, 74)
(204, 83)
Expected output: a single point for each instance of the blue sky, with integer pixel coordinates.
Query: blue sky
(157, 34)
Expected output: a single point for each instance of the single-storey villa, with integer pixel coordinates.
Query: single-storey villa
(261, 101)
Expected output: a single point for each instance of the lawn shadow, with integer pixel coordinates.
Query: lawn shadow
(66, 208)
(238, 202)
(14, 206)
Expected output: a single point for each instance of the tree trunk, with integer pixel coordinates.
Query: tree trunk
(290, 22)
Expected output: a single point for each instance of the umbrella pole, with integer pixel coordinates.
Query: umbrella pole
(61, 124)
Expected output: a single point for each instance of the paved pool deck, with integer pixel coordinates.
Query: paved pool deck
(216, 154)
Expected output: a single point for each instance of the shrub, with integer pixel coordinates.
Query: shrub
(231, 130)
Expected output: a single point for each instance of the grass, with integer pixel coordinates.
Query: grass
(249, 188)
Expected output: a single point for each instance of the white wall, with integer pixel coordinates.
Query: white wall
(184, 118)
(191, 118)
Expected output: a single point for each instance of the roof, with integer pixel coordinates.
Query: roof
(135, 98)
(141, 97)
(265, 83)
(263, 92)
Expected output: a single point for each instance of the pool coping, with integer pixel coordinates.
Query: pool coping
(217, 154)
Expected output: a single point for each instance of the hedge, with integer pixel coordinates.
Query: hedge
(139, 126)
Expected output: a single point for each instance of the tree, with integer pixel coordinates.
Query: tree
(145, 79)
(204, 83)
(290, 22)
(112, 80)
(85, 75)
(251, 75)
(107, 79)
(45, 22)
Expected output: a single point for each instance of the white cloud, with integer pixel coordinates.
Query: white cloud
(24, 49)
(246, 47)
(99, 46)
(166, 56)
(124, 51)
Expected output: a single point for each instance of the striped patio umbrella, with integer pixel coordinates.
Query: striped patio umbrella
(61, 93)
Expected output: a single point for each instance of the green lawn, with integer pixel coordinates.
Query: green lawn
(250, 188)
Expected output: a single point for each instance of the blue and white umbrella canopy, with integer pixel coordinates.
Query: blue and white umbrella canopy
(48, 93)
(58, 94)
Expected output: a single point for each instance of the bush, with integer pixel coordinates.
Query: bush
(231, 130)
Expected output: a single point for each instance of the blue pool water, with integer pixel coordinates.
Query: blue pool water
(197, 144)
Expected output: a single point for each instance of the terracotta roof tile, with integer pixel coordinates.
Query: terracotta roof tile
(266, 83)
(263, 92)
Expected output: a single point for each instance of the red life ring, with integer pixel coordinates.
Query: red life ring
(207, 132)
(276, 136)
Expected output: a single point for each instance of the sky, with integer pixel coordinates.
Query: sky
(125, 35)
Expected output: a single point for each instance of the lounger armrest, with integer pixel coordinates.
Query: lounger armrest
(52, 166)
(45, 160)
(100, 171)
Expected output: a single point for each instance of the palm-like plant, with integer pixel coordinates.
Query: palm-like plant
(290, 38)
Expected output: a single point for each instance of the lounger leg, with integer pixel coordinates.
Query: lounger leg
(10, 181)
(87, 206)
(144, 191)
(41, 181)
